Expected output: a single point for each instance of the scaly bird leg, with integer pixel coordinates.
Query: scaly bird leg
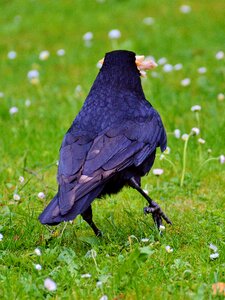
(153, 208)
(87, 216)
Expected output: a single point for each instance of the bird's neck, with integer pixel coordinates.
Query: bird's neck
(117, 79)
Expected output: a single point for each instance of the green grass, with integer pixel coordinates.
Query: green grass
(30, 139)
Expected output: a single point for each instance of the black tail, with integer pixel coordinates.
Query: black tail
(52, 215)
(50, 212)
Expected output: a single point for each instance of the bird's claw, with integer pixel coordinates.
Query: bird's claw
(157, 214)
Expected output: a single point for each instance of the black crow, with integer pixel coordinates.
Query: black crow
(111, 143)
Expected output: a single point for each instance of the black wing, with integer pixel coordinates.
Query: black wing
(86, 165)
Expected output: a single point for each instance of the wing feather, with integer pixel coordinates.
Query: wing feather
(86, 165)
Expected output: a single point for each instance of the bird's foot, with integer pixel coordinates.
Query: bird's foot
(157, 214)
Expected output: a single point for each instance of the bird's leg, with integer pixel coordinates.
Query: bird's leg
(87, 216)
(153, 207)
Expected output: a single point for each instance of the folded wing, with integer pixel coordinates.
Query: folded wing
(86, 165)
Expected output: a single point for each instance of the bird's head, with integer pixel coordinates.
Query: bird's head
(121, 57)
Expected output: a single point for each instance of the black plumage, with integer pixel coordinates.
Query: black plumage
(111, 143)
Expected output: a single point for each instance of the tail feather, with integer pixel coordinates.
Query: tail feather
(52, 215)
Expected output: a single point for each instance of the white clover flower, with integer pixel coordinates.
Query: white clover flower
(222, 159)
(195, 131)
(202, 70)
(60, 52)
(157, 172)
(41, 195)
(185, 82)
(167, 151)
(167, 68)
(21, 179)
(177, 133)
(169, 249)
(1, 95)
(196, 108)
(162, 61)
(178, 67)
(1, 237)
(88, 36)
(185, 9)
(219, 55)
(16, 197)
(50, 285)
(214, 255)
(78, 89)
(201, 141)
(27, 102)
(86, 275)
(148, 21)
(99, 65)
(104, 297)
(220, 97)
(38, 267)
(33, 74)
(114, 34)
(145, 240)
(162, 228)
(13, 110)
(12, 55)
(99, 283)
(37, 251)
(213, 247)
(44, 55)
(184, 136)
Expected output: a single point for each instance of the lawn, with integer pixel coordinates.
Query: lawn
(132, 260)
